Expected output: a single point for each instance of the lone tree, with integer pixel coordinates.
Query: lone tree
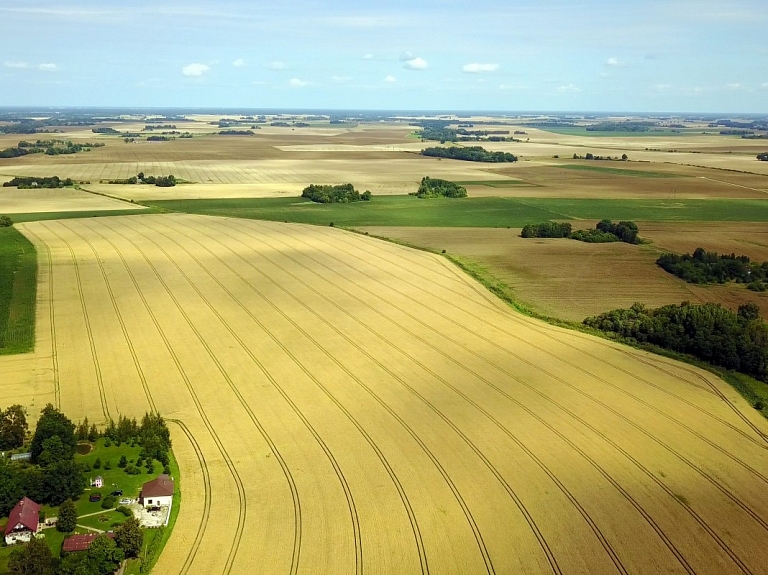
(13, 427)
(129, 537)
(67, 517)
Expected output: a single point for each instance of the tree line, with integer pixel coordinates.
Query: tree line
(703, 267)
(27, 182)
(710, 332)
(161, 181)
(605, 231)
(437, 188)
(469, 153)
(342, 193)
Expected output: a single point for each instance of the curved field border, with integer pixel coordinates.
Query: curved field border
(347, 405)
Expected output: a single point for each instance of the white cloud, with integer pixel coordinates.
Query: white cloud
(368, 56)
(662, 87)
(568, 88)
(297, 83)
(341, 78)
(277, 66)
(614, 61)
(47, 67)
(416, 64)
(764, 86)
(16, 65)
(390, 78)
(405, 56)
(733, 86)
(195, 70)
(239, 63)
(475, 68)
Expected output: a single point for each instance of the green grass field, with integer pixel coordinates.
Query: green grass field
(472, 212)
(619, 171)
(43, 216)
(18, 290)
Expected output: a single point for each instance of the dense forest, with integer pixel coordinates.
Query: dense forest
(703, 267)
(605, 231)
(710, 332)
(342, 193)
(27, 182)
(437, 188)
(469, 153)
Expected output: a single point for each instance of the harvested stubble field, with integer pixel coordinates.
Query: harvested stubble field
(571, 280)
(334, 415)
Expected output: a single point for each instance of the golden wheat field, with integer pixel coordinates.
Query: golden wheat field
(330, 414)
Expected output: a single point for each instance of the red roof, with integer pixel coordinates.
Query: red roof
(160, 487)
(82, 542)
(26, 512)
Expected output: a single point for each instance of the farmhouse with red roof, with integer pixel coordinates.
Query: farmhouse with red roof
(22, 522)
(82, 542)
(157, 493)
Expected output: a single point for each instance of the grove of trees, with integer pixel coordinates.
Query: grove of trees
(547, 230)
(703, 267)
(437, 188)
(27, 182)
(342, 193)
(710, 332)
(605, 231)
(469, 153)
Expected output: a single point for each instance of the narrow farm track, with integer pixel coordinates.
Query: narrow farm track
(339, 404)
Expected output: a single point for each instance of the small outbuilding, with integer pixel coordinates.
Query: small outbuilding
(157, 493)
(98, 482)
(23, 522)
(82, 542)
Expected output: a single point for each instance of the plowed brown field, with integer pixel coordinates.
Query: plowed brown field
(344, 405)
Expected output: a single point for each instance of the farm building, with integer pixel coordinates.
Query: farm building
(157, 493)
(82, 542)
(22, 522)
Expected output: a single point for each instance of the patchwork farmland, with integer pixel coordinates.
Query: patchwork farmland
(344, 405)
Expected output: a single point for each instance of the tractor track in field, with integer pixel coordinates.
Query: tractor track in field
(89, 331)
(193, 550)
(185, 377)
(703, 523)
(121, 321)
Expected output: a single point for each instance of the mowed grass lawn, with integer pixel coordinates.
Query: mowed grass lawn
(18, 290)
(471, 212)
(115, 478)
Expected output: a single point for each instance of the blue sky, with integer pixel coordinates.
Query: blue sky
(655, 55)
